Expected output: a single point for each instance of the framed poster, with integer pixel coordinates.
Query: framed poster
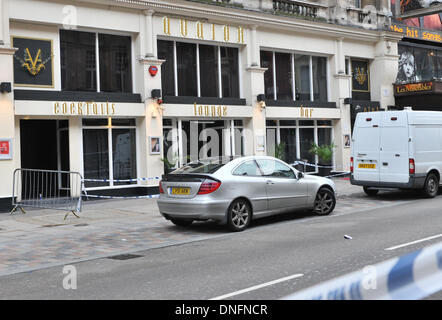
(360, 76)
(33, 62)
(155, 145)
(347, 141)
(5, 149)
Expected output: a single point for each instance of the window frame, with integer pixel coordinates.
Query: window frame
(244, 162)
(293, 70)
(97, 56)
(109, 127)
(297, 127)
(198, 66)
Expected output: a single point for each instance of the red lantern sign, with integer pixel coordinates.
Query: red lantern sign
(153, 70)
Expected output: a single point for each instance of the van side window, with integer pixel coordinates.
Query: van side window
(248, 168)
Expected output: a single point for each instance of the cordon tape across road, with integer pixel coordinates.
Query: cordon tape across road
(410, 277)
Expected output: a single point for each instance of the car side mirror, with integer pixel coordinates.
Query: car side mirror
(300, 175)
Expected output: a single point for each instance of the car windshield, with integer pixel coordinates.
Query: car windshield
(209, 165)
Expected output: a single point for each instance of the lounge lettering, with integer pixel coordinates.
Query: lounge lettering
(84, 109)
(209, 111)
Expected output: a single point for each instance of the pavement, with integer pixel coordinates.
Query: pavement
(42, 238)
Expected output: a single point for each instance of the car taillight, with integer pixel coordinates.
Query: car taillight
(412, 167)
(209, 186)
(351, 165)
(161, 188)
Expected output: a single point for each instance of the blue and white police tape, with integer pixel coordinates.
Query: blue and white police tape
(118, 181)
(410, 277)
(121, 197)
(308, 164)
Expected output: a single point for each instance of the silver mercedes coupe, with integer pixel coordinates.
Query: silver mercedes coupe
(234, 191)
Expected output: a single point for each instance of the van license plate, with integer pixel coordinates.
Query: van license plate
(367, 166)
(180, 191)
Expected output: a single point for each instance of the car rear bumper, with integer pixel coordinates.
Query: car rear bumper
(193, 209)
(414, 182)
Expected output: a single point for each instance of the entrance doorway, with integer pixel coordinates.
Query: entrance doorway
(44, 144)
(191, 140)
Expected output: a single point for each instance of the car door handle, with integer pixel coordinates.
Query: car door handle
(397, 155)
(362, 154)
(270, 182)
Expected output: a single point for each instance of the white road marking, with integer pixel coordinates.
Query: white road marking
(259, 286)
(414, 242)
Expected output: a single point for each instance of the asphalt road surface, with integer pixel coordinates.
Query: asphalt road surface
(275, 257)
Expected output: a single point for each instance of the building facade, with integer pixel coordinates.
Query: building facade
(126, 89)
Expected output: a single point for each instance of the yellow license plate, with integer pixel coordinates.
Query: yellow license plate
(180, 191)
(367, 166)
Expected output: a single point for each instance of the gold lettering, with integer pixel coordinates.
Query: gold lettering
(72, 108)
(64, 108)
(218, 111)
(113, 108)
(87, 106)
(213, 32)
(80, 108)
(56, 108)
(200, 110)
(95, 108)
(183, 24)
(206, 111)
(224, 111)
(102, 109)
(213, 109)
(166, 26)
(194, 109)
(200, 30)
(226, 33)
(240, 34)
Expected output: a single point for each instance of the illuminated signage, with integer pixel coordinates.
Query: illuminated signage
(84, 109)
(414, 87)
(416, 33)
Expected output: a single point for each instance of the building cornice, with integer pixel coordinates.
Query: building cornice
(233, 15)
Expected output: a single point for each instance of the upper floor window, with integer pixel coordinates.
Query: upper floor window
(197, 70)
(294, 77)
(95, 62)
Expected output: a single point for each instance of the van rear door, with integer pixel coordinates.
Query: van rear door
(394, 155)
(366, 140)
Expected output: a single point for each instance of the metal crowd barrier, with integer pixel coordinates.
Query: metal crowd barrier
(47, 189)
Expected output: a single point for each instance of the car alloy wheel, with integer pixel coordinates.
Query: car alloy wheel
(325, 202)
(239, 215)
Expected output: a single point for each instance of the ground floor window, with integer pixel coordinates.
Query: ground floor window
(292, 140)
(189, 140)
(109, 151)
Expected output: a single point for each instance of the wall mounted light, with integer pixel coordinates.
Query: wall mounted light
(261, 101)
(5, 87)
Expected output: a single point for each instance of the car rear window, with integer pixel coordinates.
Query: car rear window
(210, 165)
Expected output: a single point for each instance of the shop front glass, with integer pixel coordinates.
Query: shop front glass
(293, 140)
(190, 140)
(109, 151)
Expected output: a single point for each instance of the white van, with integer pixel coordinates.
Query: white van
(397, 149)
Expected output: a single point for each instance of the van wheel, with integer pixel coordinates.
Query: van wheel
(370, 192)
(431, 186)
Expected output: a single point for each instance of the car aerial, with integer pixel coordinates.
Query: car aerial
(235, 190)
